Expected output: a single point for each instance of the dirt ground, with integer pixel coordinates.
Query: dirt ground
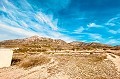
(68, 66)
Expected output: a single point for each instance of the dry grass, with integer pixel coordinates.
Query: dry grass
(96, 58)
(93, 66)
(32, 61)
(87, 67)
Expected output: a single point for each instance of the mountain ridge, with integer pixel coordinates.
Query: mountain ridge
(50, 44)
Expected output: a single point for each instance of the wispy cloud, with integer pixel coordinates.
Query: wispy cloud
(96, 41)
(55, 21)
(110, 24)
(113, 42)
(113, 21)
(93, 25)
(25, 21)
(45, 19)
(110, 21)
(79, 30)
(114, 31)
(97, 37)
(15, 30)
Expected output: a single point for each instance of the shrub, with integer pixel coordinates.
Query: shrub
(15, 61)
(96, 58)
(32, 61)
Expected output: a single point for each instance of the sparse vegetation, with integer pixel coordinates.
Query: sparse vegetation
(34, 60)
(15, 61)
(76, 66)
(96, 58)
(37, 51)
(88, 67)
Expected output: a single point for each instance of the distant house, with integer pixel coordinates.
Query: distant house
(5, 57)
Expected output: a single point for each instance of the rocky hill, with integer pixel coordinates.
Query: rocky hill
(36, 43)
(91, 45)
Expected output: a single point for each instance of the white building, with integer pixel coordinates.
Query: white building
(5, 57)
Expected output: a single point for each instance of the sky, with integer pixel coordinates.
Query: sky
(69, 20)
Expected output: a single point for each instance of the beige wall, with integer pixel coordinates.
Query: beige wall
(5, 57)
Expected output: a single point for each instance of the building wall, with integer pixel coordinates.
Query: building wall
(5, 57)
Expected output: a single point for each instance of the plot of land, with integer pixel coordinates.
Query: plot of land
(62, 66)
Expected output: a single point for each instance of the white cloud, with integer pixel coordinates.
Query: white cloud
(96, 37)
(15, 30)
(113, 21)
(96, 41)
(45, 19)
(24, 24)
(94, 25)
(110, 24)
(28, 23)
(113, 42)
(114, 31)
(79, 30)
(10, 31)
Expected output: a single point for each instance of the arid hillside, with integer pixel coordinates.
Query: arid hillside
(41, 44)
(36, 44)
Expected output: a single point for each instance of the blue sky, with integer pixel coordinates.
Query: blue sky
(69, 20)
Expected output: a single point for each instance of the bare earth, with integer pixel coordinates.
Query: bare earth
(115, 59)
(66, 66)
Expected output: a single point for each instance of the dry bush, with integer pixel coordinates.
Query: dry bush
(96, 58)
(34, 60)
(15, 61)
(17, 58)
